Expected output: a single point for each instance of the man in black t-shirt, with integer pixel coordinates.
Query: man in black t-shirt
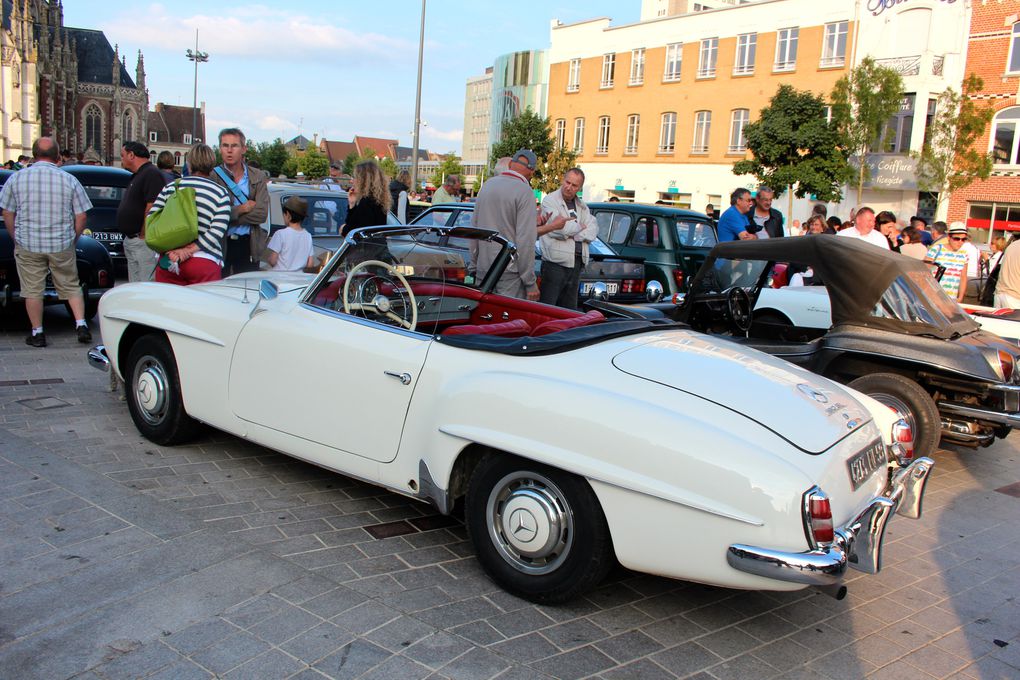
(139, 196)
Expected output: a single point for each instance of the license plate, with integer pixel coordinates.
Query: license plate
(864, 464)
(611, 288)
(108, 236)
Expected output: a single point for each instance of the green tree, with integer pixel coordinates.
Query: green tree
(290, 167)
(389, 167)
(313, 163)
(795, 146)
(350, 161)
(450, 165)
(251, 153)
(273, 155)
(863, 101)
(949, 159)
(526, 131)
(553, 167)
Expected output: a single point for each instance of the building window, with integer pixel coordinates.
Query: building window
(153, 136)
(707, 57)
(633, 123)
(637, 66)
(177, 158)
(603, 144)
(896, 136)
(574, 78)
(786, 49)
(187, 138)
(834, 44)
(1013, 65)
(1005, 140)
(561, 133)
(674, 54)
(93, 128)
(608, 69)
(702, 127)
(747, 46)
(578, 135)
(667, 133)
(128, 127)
(738, 121)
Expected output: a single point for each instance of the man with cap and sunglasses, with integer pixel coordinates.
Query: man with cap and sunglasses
(953, 256)
(506, 204)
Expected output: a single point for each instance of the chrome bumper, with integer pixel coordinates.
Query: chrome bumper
(857, 544)
(98, 359)
(997, 417)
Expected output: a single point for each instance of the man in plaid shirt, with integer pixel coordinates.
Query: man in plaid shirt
(44, 212)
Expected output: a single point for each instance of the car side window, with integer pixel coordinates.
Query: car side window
(613, 226)
(695, 234)
(436, 218)
(325, 214)
(463, 219)
(646, 233)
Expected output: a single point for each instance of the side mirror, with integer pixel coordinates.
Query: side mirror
(653, 291)
(268, 290)
(599, 291)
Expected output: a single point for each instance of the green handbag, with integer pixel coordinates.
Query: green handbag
(176, 223)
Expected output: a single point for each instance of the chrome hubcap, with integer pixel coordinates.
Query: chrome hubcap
(151, 390)
(530, 522)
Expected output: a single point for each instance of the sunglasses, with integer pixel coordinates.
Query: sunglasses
(957, 238)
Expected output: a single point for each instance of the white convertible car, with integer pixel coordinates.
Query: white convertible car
(567, 440)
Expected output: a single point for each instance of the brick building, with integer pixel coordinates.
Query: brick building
(992, 208)
(175, 129)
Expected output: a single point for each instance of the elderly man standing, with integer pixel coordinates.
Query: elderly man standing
(733, 225)
(146, 183)
(449, 192)
(506, 203)
(249, 207)
(44, 212)
(763, 220)
(568, 230)
(864, 229)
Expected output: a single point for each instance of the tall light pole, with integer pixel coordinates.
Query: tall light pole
(417, 102)
(196, 57)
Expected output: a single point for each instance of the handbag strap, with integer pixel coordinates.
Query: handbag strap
(231, 184)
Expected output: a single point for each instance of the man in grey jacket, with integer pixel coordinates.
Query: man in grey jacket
(569, 228)
(506, 204)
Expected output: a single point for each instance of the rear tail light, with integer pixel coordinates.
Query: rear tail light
(818, 518)
(678, 278)
(903, 436)
(1006, 365)
(104, 278)
(632, 286)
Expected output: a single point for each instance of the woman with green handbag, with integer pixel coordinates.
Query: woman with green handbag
(202, 259)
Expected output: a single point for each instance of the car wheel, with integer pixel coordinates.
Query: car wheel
(539, 532)
(910, 402)
(153, 393)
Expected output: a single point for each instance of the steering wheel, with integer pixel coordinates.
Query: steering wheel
(738, 303)
(380, 304)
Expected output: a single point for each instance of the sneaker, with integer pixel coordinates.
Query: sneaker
(84, 334)
(36, 340)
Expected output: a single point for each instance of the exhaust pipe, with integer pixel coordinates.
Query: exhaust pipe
(836, 590)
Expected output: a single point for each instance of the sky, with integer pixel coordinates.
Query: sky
(334, 68)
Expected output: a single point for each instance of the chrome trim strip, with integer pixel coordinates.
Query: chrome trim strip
(1002, 387)
(857, 544)
(98, 358)
(997, 417)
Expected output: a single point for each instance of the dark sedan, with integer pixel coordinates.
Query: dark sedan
(624, 276)
(95, 266)
(105, 187)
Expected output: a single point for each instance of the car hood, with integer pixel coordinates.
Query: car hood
(809, 411)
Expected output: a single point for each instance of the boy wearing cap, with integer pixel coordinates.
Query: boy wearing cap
(290, 248)
(953, 256)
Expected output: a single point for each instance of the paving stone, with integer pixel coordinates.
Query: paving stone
(673, 631)
(304, 589)
(438, 649)
(284, 625)
(729, 642)
(400, 633)
(317, 643)
(578, 663)
(230, 652)
(352, 660)
(456, 613)
(685, 659)
(365, 617)
(643, 669)
(143, 661)
(272, 664)
(628, 646)
(334, 602)
(185, 669)
(476, 664)
(574, 634)
(200, 636)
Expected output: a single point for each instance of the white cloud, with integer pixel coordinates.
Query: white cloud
(255, 31)
(449, 135)
(272, 122)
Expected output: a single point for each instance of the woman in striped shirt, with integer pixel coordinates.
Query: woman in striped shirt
(202, 259)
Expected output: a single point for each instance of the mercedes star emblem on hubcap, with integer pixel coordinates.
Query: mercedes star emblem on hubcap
(522, 525)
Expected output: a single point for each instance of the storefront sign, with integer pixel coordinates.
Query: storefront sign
(876, 7)
(891, 172)
(673, 190)
(619, 187)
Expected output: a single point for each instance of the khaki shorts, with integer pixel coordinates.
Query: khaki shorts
(33, 267)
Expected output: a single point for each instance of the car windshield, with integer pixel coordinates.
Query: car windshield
(915, 297)
(695, 234)
(725, 274)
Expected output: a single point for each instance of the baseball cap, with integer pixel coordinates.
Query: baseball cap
(527, 158)
(297, 206)
(957, 228)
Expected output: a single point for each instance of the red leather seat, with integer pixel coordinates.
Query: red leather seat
(556, 325)
(518, 328)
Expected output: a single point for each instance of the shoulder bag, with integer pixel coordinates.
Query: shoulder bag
(176, 223)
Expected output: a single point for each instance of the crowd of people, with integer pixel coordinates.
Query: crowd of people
(45, 211)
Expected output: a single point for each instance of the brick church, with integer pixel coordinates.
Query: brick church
(66, 82)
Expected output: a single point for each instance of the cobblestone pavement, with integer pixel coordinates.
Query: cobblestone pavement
(123, 559)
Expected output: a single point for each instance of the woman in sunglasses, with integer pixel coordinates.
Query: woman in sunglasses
(953, 256)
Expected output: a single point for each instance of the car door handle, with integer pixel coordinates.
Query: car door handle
(404, 378)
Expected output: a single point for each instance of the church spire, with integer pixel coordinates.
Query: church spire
(116, 64)
(140, 72)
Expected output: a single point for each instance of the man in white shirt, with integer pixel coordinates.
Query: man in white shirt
(864, 229)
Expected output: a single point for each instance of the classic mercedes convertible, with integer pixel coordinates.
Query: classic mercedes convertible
(568, 440)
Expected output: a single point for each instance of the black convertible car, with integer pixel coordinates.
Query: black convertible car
(95, 266)
(894, 335)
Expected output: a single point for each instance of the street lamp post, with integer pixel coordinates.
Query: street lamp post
(196, 57)
(417, 102)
